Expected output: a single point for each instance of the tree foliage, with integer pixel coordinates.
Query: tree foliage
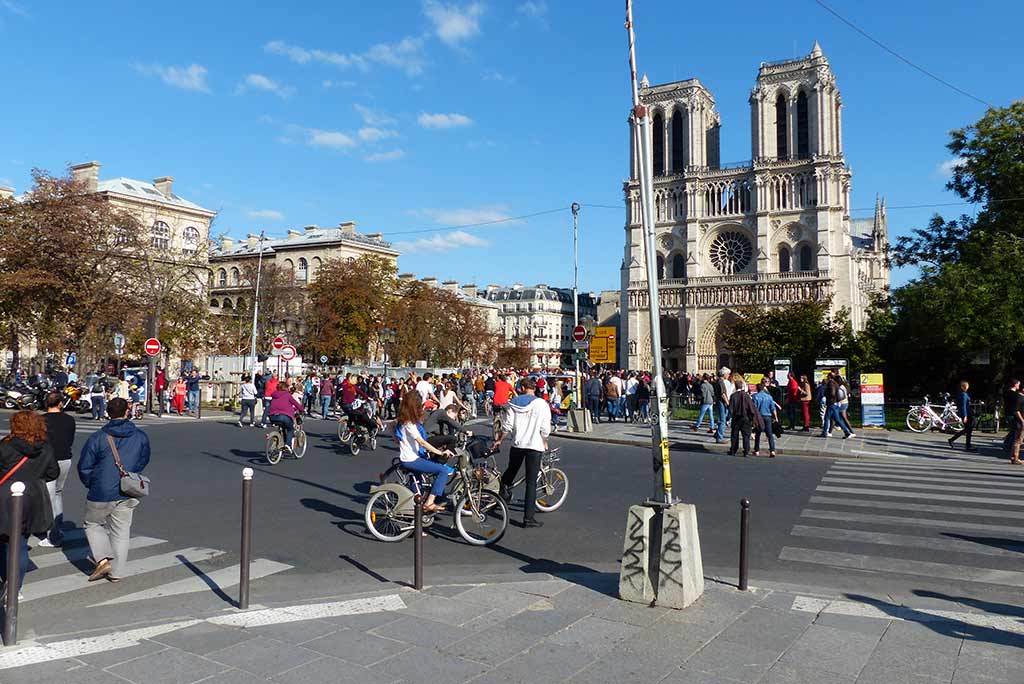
(519, 354)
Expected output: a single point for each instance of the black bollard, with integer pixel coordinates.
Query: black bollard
(246, 550)
(417, 545)
(13, 565)
(744, 539)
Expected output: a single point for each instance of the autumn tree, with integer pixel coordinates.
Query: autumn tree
(519, 354)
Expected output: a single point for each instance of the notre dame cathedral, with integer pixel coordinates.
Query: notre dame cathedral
(766, 232)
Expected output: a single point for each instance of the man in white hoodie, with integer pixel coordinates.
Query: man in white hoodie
(528, 420)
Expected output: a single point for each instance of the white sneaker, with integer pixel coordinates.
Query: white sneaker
(849, 436)
(47, 544)
(240, 424)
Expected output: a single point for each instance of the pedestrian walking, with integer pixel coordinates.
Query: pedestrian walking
(707, 405)
(613, 393)
(98, 398)
(806, 396)
(119, 446)
(247, 393)
(528, 421)
(326, 396)
(60, 433)
(744, 413)
(725, 388)
(834, 393)
(1013, 409)
(767, 410)
(25, 456)
(180, 392)
(160, 389)
(963, 404)
(594, 391)
(792, 400)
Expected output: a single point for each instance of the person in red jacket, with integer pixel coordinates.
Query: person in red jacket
(792, 400)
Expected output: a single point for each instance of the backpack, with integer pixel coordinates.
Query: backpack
(841, 393)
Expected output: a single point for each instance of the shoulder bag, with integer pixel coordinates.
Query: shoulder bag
(134, 485)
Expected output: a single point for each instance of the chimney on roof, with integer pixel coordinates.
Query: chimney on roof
(347, 227)
(252, 239)
(164, 185)
(406, 277)
(517, 286)
(375, 236)
(292, 234)
(87, 173)
(451, 286)
(226, 243)
(493, 288)
(429, 281)
(310, 229)
(469, 289)
(6, 192)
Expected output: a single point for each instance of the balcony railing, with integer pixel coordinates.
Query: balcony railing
(736, 278)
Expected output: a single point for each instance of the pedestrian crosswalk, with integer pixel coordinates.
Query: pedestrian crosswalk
(155, 571)
(952, 520)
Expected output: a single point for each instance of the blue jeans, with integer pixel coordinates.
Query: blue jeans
(440, 471)
(706, 410)
(193, 400)
(264, 418)
(832, 414)
(723, 412)
(99, 407)
(22, 545)
(288, 424)
(767, 429)
(325, 405)
(594, 405)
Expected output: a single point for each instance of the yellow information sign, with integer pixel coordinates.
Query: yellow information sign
(602, 345)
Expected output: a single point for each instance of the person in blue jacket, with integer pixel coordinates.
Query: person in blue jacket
(108, 512)
(966, 411)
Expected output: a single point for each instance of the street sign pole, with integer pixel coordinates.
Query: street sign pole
(576, 294)
(256, 306)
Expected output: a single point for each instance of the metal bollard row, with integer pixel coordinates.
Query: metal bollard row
(246, 546)
(417, 545)
(744, 541)
(14, 535)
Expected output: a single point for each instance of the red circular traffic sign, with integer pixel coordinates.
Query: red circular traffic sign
(288, 352)
(279, 343)
(152, 346)
(579, 333)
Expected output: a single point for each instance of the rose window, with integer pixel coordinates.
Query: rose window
(731, 252)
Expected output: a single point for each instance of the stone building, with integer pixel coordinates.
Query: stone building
(302, 252)
(766, 232)
(541, 316)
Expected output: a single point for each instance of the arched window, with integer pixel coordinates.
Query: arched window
(210, 279)
(781, 138)
(678, 266)
(803, 134)
(806, 258)
(303, 275)
(678, 154)
(227, 303)
(661, 267)
(222, 278)
(659, 144)
(317, 265)
(234, 277)
(160, 235)
(214, 303)
(289, 267)
(190, 241)
(783, 260)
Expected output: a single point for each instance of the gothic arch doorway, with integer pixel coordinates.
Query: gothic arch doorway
(712, 352)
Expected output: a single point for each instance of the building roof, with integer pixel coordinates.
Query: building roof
(318, 236)
(525, 294)
(145, 191)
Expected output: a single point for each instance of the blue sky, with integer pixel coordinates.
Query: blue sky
(417, 114)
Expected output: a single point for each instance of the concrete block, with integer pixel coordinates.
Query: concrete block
(580, 421)
(681, 572)
(634, 576)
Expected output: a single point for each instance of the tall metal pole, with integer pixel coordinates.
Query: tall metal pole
(576, 294)
(256, 304)
(642, 129)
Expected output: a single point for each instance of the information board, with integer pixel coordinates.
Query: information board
(602, 345)
(872, 400)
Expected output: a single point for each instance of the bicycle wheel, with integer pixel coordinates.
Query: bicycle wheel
(373, 443)
(918, 420)
(481, 517)
(383, 520)
(552, 489)
(343, 433)
(353, 446)
(955, 425)
(300, 443)
(273, 449)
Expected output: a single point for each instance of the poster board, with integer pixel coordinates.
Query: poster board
(602, 345)
(872, 400)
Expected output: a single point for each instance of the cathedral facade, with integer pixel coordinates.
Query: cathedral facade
(769, 232)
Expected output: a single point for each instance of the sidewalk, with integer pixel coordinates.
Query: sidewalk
(541, 628)
(868, 442)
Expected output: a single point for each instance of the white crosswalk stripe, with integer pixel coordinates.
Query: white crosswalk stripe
(952, 520)
(57, 574)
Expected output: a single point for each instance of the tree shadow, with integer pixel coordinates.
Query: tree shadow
(1007, 544)
(946, 626)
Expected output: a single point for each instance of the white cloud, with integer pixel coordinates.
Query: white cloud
(13, 8)
(264, 83)
(468, 216)
(536, 9)
(441, 243)
(495, 75)
(334, 139)
(391, 155)
(372, 134)
(406, 55)
(192, 77)
(329, 83)
(452, 23)
(373, 117)
(443, 120)
(268, 214)
(946, 168)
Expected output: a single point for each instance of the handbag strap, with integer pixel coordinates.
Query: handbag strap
(117, 456)
(11, 471)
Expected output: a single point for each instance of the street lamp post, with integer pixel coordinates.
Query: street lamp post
(256, 305)
(575, 293)
(386, 337)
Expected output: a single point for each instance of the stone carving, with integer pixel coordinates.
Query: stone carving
(665, 240)
(795, 232)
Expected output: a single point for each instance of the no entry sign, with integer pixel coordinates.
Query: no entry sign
(152, 346)
(288, 352)
(279, 343)
(579, 333)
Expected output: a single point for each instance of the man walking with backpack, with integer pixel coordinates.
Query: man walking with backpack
(112, 451)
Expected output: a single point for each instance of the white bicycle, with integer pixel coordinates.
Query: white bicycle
(926, 416)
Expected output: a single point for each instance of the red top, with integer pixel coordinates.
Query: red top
(271, 387)
(793, 390)
(502, 393)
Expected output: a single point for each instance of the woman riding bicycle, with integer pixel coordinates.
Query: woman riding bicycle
(282, 411)
(413, 445)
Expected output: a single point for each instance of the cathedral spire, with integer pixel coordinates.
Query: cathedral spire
(816, 50)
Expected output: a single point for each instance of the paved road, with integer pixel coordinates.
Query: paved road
(897, 528)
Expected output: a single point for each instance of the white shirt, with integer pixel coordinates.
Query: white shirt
(408, 447)
(425, 389)
(631, 386)
(247, 390)
(617, 381)
(528, 420)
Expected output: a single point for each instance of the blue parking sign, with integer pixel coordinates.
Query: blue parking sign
(70, 361)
